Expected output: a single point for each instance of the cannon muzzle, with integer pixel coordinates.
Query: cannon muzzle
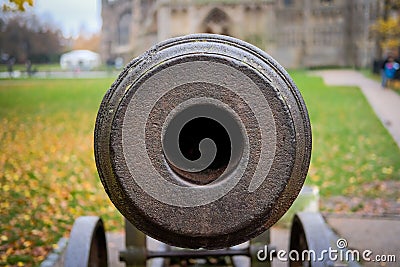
(203, 141)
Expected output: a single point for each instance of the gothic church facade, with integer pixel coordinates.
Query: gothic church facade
(297, 33)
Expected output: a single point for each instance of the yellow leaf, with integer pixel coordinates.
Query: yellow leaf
(27, 244)
(27, 193)
(387, 170)
(40, 258)
(6, 188)
(5, 205)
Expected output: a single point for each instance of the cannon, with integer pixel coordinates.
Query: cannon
(202, 143)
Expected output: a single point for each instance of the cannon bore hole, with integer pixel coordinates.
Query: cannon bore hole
(189, 139)
(200, 128)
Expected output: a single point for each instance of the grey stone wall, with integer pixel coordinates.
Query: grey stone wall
(297, 33)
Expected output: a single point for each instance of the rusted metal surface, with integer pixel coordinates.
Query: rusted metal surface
(241, 133)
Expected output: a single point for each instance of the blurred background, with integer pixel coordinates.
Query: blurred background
(48, 177)
(298, 34)
(307, 33)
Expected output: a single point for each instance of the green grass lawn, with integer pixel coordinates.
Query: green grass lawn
(48, 176)
(351, 148)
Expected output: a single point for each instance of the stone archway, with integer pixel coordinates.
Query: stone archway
(217, 21)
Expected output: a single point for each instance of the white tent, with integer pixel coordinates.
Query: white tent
(80, 60)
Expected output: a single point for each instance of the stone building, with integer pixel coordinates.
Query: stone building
(298, 33)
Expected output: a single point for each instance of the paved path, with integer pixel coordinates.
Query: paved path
(380, 235)
(384, 102)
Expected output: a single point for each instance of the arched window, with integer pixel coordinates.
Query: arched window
(124, 26)
(217, 21)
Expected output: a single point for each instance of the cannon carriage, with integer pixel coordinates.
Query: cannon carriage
(202, 143)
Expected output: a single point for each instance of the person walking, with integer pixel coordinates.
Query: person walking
(389, 70)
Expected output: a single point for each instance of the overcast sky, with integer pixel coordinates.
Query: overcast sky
(70, 15)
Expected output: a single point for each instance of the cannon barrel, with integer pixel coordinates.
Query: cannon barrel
(203, 141)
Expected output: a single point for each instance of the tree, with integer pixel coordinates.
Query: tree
(389, 32)
(387, 27)
(91, 42)
(27, 38)
(16, 5)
